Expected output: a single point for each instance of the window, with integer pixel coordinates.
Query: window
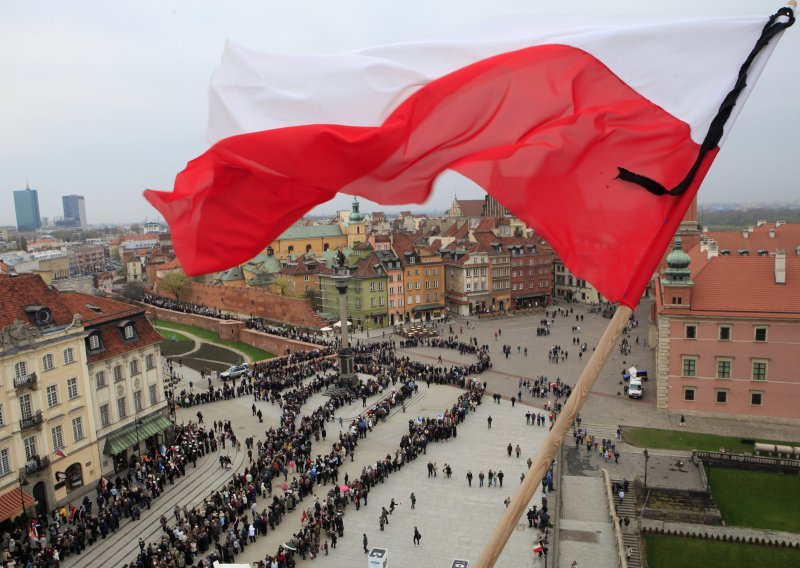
(25, 408)
(400, 289)
(435, 283)
(358, 303)
(69, 355)
(373, 302)
(134, 367)
(149, 362)
(416, 284)
(756, 398)
(5, 464)
(30, 448)
(117, 373)
(47, 362)
(759, 370)
(722, 396)
(58, 437)
(104, 417)
(428, 284)
(688, 394)
(725, 332)
(417, 300)
(100, 379)
(382, 301)
(2, 416)
(391, 303)
(410, 300)
(761, 334)
(724, 368)
(94, 342)
(72, 388)
(121, 410)
(153, 394)
(129, 332)
(690, 366)
(469, 286)
(691, 331)
(372, 286)
(52, 395)
(21, 370)
(77, 428)
(381, 286)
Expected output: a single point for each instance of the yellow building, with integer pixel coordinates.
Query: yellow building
(48, 441)
(423, 278)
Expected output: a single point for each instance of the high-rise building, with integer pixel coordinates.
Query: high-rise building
(26, 205)
(75, 210)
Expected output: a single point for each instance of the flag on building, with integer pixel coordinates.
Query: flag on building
(581, 127)
(61, 452)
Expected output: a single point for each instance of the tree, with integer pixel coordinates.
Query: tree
(176, 283)
(282, 286)
(136, 228)
(23, 243)
(134, 290)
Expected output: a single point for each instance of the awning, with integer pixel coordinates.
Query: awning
(127, 436)
(425, 307)
(11, 503)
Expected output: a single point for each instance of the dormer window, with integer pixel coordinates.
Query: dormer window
(42, 316)
(94, 342)
(128, 330)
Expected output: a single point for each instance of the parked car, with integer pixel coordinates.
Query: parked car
(234, 372)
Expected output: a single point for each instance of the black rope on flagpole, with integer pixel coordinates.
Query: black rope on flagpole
(717, 127)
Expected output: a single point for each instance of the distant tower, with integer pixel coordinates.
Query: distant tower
(26, 205)
(689, 229)
(356, 225)
(75, 210)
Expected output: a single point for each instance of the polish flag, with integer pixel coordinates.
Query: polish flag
(543, 113)
(61, 452)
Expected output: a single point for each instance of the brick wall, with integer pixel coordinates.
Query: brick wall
(253, 302)
(232, 331)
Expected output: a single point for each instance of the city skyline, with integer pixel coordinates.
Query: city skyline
(117, 129)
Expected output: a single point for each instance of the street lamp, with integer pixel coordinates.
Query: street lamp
(646, 459)
(23, 480)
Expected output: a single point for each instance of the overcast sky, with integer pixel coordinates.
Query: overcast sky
(106, 99)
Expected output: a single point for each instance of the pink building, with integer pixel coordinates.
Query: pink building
(728, 333)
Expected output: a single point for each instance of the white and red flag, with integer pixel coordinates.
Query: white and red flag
(595, 132)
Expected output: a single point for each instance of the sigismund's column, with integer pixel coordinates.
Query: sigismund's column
(347, 377)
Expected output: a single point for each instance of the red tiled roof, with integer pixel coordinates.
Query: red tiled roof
(746, 284)
(459, 231)
(30, 290)
(299, 268)
(172, 264)
(11, 503)
(787, 236)
(366, 268)
(107, 323)
(107, 309)
(471, 207)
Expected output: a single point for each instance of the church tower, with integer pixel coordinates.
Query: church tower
(356, 225)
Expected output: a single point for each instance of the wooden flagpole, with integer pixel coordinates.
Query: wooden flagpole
(519, 502)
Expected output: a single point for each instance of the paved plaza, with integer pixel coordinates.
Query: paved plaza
(455, 520)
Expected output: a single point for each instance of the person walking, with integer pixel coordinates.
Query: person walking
(469, 478)
(518, 451)
(509, 449)
(365, 543)
(489, 421)
(481, 477)
(417, 536)
(413, 500)
(500, 476)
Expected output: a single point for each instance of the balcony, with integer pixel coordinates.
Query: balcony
(26, 382)
(33, 421)
(36, 464)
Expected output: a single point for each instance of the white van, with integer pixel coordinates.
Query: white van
(635, 388)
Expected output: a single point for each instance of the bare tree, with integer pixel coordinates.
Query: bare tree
(176, 283)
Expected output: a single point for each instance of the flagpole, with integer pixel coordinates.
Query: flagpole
(519, 502)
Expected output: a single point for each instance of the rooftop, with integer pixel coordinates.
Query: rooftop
(311, 232)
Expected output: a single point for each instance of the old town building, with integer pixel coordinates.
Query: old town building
(48, 441)
(727, 332)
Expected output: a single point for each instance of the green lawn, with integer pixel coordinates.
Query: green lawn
(674, 552)
(757, 499)
(683, 440)
(254, 353)
(173, 335)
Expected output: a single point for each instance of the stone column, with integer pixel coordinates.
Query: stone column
(346, 375)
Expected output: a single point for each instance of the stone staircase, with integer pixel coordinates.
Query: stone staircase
(630, 534)
(599, 431)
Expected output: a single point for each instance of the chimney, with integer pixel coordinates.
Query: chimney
(761, 222)
(745, 234)
(780, 266)
(772, 233)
